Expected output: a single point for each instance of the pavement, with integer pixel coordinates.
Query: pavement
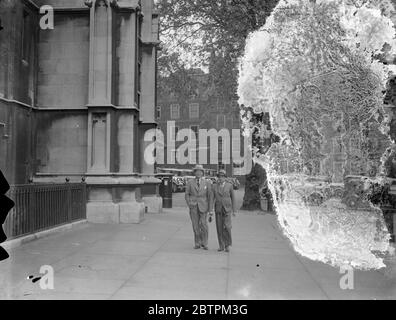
(156, 260)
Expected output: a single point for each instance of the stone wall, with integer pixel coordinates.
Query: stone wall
(17, 82)
(61, 142)
(64, 63)
(15, 142)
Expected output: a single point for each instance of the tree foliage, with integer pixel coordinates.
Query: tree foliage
(209, 34)
(212, 35)
(320, 69)
(313, 61)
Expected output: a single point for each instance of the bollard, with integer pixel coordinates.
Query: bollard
(165, 189)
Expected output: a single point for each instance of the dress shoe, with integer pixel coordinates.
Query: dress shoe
(205, 247)
(197, 247)
(220, 249)
(227, 249)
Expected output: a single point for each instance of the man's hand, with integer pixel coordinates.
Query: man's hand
(234, 214)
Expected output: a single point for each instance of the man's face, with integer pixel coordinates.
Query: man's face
(222, 178)
(198, 173)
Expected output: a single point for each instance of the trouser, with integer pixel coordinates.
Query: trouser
(200, 226)
(223, 226)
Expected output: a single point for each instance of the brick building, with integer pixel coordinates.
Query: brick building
(201, 109)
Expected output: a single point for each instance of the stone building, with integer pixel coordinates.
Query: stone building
(76, 99)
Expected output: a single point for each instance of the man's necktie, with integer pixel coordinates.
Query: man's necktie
(198, 183)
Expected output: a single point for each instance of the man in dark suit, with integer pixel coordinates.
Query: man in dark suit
(224, 203)
(199, 198)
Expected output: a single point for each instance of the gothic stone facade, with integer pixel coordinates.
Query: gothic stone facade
(76, 100)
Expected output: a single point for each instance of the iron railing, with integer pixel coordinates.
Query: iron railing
(42, 206)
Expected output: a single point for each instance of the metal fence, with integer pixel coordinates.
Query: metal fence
(43, 206)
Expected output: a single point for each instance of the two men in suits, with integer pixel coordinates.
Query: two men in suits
(224, 203)
(201, 196)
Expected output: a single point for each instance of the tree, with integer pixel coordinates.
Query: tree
(175, 78)
(256, 184)
(211, 34)
(315, 68)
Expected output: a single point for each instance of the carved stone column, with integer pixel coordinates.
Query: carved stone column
(113, 188)
(101, 52)
(100, 85)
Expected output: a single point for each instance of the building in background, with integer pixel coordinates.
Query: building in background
(76, 100)
(198, 108)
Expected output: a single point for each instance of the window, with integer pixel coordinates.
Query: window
(221, 121)
(194, 110)
(158, 112)
(218, 106)
(174, 130)
(237, 150)
(236, 145)
(175, 111)
(26, 36)
(195, 129)
(220, 149)
(236, 120)
(139, 53)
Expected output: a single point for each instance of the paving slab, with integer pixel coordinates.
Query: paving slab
(156, 260)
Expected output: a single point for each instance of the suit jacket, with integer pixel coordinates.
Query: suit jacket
(224, 197)
(202, 196)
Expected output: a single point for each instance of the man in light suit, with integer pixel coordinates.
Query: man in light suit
(199, 198)
(224, 203)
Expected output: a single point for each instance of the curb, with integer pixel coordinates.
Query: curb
(14, 243)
